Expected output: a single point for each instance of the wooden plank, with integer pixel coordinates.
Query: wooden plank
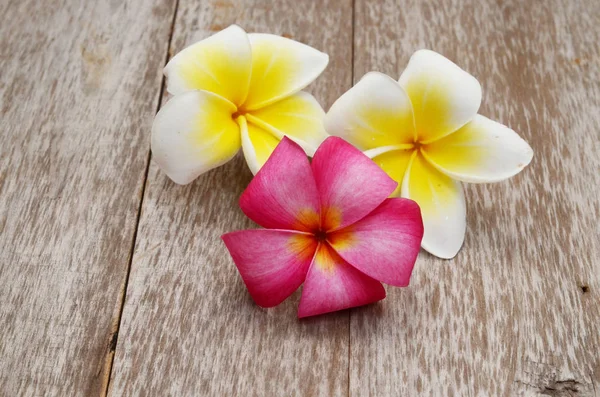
(189, 326)
(517, 311)
(79, 84)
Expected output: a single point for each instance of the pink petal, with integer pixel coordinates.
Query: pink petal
(385, 243)
(272, 263)
(283, 194)
(332, 284)
(350, 184)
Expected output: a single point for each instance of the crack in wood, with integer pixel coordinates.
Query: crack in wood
(110, 355)
(559, 388)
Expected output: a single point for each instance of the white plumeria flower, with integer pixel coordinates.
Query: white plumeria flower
(236, 90)
(424, 131)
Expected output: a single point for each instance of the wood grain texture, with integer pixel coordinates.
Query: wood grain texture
(517, 313)
(189, 326)
(79, 83)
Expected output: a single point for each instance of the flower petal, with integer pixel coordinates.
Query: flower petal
(481, 151)
(299, 117)
(332, 284)
(283, 194)
(192, 134)
(257, 144)
(384, 244)
(442, 205)
(375, 112)
(280, 67)
(221, 63)
(444, 97)
(272, 263)
(349, 183)
(394, 163)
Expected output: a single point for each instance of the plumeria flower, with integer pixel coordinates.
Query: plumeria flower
(328, 225)
(236, 90)
(424, 131)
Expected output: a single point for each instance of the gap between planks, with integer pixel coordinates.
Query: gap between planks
(352, 39)
(114, 340)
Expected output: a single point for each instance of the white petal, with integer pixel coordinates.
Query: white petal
(375, 112)
(221, 63)
(280, 67)
(442, 205)
(193, 133)
(444, 97)
(481, 151)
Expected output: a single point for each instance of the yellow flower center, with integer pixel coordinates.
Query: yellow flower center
(240, 111)
(417, 145)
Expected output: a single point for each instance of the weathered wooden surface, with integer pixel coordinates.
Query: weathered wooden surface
(79, 83)
(518, 311)
(189, 326)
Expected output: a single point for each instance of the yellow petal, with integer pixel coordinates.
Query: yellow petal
(299, 117)
(394, 163)
(375, 112)
(221, 64)
(280, 67)
(481, 151)
(444, 97)
(442, 205)
(257, 144)
(193, 133)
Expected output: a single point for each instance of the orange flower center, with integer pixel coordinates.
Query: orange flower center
(321, 235)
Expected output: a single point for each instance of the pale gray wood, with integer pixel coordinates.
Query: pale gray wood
(79, 83)
(517, 312)
(189, 326)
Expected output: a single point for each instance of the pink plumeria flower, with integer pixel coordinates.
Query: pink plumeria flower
(328, 225)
